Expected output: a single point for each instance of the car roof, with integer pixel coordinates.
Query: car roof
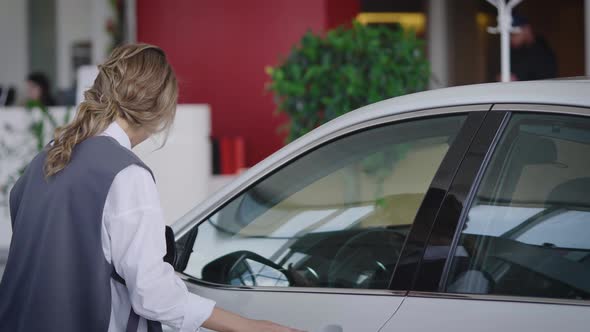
(551, 92)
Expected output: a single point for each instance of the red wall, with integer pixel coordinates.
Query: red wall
(219, 49)
(341, 12)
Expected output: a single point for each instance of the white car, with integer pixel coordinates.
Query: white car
(460, 209)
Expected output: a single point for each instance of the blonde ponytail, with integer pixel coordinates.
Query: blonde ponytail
(136, 84)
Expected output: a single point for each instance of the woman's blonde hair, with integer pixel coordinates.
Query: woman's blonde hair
(136, 84)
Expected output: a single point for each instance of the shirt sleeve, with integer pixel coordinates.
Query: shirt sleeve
(135, 224)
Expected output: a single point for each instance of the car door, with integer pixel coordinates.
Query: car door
(315, 242)
(513, 235)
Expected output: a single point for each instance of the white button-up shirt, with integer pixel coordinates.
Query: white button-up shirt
(133, 241)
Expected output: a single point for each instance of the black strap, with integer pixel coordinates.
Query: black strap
(133, 321)
(117, 277)
(153, 326)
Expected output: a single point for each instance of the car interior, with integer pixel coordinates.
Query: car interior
(537, 196)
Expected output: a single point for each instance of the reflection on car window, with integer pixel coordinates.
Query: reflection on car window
(336, 217)
(528, 230)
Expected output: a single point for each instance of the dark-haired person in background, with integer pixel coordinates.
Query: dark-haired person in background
(531, 58)
(38, 90)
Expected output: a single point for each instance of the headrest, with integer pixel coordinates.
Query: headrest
(533, 149)
(574, 192)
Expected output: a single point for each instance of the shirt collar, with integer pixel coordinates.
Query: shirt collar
(115, 131)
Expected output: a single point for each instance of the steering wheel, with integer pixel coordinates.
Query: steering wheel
(240, 269)
(366, 260)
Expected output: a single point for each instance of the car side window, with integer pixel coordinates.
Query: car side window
(337, 217)
(527, 232)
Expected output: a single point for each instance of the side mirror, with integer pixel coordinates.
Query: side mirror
(245, 268)
(184, 248)
(170, 256)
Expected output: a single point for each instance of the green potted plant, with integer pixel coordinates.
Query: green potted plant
(326, 76)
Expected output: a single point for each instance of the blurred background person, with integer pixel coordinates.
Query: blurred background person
(7, 95)
(531, 58)
(38, 92)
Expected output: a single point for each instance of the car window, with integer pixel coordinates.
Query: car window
(527, 232)
(336, 217)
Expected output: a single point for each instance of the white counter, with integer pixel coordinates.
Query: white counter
(182, 167)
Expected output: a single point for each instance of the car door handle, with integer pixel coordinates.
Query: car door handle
(332, 328)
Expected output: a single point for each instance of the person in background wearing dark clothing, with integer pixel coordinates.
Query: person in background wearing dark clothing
(38, 91)
(531, 58)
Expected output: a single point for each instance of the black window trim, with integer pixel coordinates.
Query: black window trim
(298, 290)
(499, 298)
(471, 196)
(452, 210)
(427, 212)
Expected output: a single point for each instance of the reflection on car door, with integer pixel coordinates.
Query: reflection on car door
(520, 260)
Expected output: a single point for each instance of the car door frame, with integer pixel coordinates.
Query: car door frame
(452, 218)
(433, 200)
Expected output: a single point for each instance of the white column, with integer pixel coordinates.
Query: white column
(131, 21)
(587, 34)
(101, 40)
(438, 45)
(504, 26)
(14, 64)
(72, 25)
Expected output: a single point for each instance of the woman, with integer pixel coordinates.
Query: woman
(86, 211)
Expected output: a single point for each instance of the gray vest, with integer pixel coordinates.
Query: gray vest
(56, 277)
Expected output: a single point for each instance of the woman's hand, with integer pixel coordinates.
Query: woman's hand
(225, 321)
(266, 326)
